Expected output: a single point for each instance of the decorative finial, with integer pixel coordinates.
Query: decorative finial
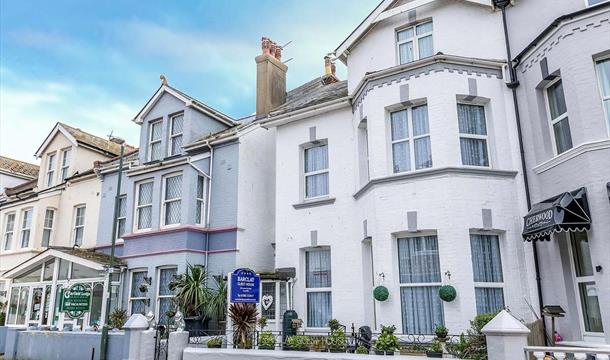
(179, 321)
(163, 79)
(150, 317)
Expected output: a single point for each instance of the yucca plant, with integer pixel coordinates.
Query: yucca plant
(192, 292)
(243, 318)
(216, 305)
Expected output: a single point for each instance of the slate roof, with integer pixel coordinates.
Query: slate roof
(88, 254)
(20, 168)
(314, 92)
(96, 141)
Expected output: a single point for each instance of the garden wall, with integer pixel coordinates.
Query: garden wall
(2, 338)
(192, 353)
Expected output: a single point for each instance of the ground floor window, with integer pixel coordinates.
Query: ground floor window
(487, 273)
(318, 287)
(165, 296)
(137, 297)
(420, 280)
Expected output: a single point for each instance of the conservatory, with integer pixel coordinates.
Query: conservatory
(36, 285)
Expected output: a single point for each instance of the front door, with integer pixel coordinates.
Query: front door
(586, 288)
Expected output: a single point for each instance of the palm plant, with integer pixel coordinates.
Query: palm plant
(216, 305)
(192, 292)
(243, 318)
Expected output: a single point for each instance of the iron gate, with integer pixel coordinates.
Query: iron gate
(162, 341)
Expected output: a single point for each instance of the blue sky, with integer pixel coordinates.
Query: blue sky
(93, 64)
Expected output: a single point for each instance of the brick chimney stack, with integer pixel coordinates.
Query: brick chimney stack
(270, 77)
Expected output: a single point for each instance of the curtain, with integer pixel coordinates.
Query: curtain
(557, 101)
(418, 260)
(474, 151)
(422, 148)
(316, 185)
(422, 309)
(316, 159)
(401, 157)
(405, 52)
(489, 300)
(471, 119)
(563, 136)
(425, 46)
(319, 309)
(486, 260)
(400, 127)
(318, 269)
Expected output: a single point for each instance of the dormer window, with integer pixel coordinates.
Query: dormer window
(414, 43)
(154, 142)
(65, 163)
(175, 135)
(50, 169)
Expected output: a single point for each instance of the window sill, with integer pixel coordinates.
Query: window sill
(570, 154)
(314, 203)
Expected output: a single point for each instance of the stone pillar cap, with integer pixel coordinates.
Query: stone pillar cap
(136, 322)
(505, 324)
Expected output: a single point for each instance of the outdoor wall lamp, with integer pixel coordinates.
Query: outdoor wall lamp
(598, 268)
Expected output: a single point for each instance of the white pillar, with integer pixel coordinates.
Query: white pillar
(506, 337)
(147, 344)
(178, 341)
(134, 327)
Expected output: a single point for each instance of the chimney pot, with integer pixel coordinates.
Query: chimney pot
(327, 65)
(265, 44)
(272, 48)
(270, 77)
(278, 53)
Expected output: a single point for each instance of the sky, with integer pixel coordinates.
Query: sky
(94, 64)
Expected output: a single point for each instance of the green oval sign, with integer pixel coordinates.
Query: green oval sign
(76, 300)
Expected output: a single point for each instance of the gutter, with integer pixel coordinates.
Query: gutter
(306, 112)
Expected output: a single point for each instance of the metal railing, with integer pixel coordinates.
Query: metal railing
(561, 353)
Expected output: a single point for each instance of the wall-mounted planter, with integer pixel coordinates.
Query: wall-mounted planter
(447, 293)
(381, 293)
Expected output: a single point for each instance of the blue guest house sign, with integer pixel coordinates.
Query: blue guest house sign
(245, 286)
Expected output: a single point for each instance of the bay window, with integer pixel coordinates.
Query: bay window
(47, 227)
(473, 135)
(316, 171)
(154, 141)
(26, 225)
(410, 144)
(487, 273)
(175, 135)
(420, 281)
(603, 76)
(414, 42)
(558, 117)
(9, 230)
(65, 163)
(144, 194)
(318, 288)
(172, 199)
(79, 225)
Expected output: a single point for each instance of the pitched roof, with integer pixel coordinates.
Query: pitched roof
(95, 141)
(88, 254)
(314, 92)
(19, 168)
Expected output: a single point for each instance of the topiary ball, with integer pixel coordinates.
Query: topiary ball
(447, 293)
(381, 293)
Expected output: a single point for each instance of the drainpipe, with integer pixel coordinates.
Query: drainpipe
(513, 84)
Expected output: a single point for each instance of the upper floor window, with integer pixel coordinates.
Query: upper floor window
(50, 169)
(172, 199)
(414, 42)
(473, 135)
(411, 144)
(175, 135)
(154, 141)
(144, 196)
(65, 163)
(200, 200)
(603, 75)
(316, 171)
(79, 225)
(47, 228)
(318, 288)
(558, 116)
(594, 2)
(121, 218)
(26, 226)
(9, 230)
(487, 272)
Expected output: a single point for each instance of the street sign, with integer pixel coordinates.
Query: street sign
(245, 286)
(76, 300)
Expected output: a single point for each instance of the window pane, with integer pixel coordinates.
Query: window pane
(46, 237)
(177, 124)
(156, 151)
(122, 206)
(165, 305)
(423, 153)
(319, 309)
(471, 119)
(12, 308)
(137, 279)
(420, 120)
(83, 272)
(156, 131)
(318, 269)
(400, 128)
(418, 260)
(48, 218)
(25, 238)
(422, 309)
(80, 216)
(425, 47)
(145, 194)
(401, 157)
(583, 265)
(563, 136)
(63, 269)
(590, 307)
(173, 187)
(165, 277)
(268, 289)
(486, 261)
(30, 276)
(424, 28)
(474, 152)
(23, 303)
(489, 300)
(145, 217)
(96, 304)
(316, 185)
(78, 236)
(405, 34)
(176, 144)
(405, 52)
(316, 158)
(172, 212)
(138, 307)
(48, 270)
(603, 74)
(557, 102)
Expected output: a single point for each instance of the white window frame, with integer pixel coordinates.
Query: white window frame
(475, 136)
(489, 285)
(200, 201)
(164, 201)
(317, 289)
(119, 217)
(152, 142)
(551, 122)
(7, 232)
(130, 297)
(65, 165)
(316, 172)
(158, 286)
(46, 228)
(50, 174)
(410, 138)
(601, 92)
(22, 227)
(138, 206)
(414, 40)
(588, 4)
(75, 226)
(171, 136)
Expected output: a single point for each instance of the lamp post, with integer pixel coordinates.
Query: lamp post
(104, 344)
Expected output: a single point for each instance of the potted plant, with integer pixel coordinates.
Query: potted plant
(298, 343)
(362, 350)
(243, 318)
(191, 296)
(318, 344)
(215, 306)
(441, 332)
(117, 318)
(333, 324)
(387, 342)
(337, 341)
(215, 343)
(266, 341)
(435, 350)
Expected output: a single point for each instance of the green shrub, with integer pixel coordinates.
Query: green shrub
(2, 318)
(266, 340)
(472, 345)
(337, 341)
(436, 347)
(362, 350)
(298, 342)
(117, 318)
(387, 341)
(215, 342)
(333, 324)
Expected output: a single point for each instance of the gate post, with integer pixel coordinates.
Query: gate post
(506, 337)
(134, 327)
(147, 344)
(178, 341)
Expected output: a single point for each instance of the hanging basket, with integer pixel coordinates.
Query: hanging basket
(447, 293)
(381, 293)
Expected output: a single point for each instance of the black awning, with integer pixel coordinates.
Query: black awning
(566, 212)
